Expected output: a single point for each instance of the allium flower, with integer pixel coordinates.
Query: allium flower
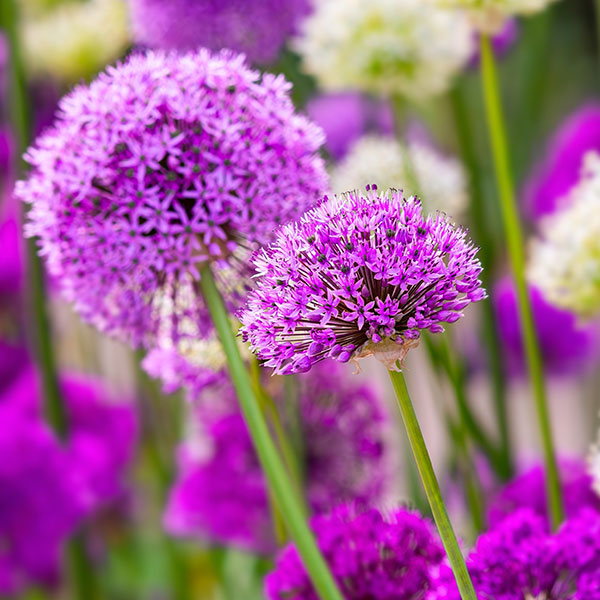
(221, 493)
(567, 346)
(360, 274)
(371, 555)
(165, 163)
(258, 28)
(75, 39)
(560, 170)
(565, 262)
(346, 116)
(520, 560)
(388, 47)
(528, 490)
(441, 180)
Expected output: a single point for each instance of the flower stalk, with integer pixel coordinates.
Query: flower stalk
(278, 478)
(514, 240)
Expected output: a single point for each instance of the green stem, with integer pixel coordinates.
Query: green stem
(290, 506)
(514, 240)
(432, 488)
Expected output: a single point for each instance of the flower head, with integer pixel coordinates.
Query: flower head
(360, 274)
(520, 560)
(371, 554)
(559, 171)
(165, 163)
(440, 179)
(258, 28)
(384, 46)
(221, 493)
(565, 261)
(567, 346)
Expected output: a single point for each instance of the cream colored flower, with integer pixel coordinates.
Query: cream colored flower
(565, 261)
(74, 40)
(440, 181)
(406, 47)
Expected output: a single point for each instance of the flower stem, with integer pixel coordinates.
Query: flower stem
(289, 505)
(432, 488)
(514, 241)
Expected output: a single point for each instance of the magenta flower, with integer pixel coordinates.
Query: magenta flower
(165, 163)
(560, 170)
(528, 490)
(371, 554)
(520, 560)
(221, 493)
(358, 275)
(258, 28)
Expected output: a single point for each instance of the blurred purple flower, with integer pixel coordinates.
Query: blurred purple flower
(359, 275)
(528, 490)
(166, 163)
(521, 560)
(347, 116)
(502, 41)
(559, 170)
(258, 28)
(567, 346)
(221, 493)
(374, 555)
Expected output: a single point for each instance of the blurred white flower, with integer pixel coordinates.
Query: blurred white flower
(565, 261)
(74, 40)
(406, 47)
(440, 180)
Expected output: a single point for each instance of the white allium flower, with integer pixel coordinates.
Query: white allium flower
(565, 262)
(75, 40)
(440, 180)
(406, 47)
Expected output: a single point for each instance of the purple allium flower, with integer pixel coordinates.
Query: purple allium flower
(560, 170)
(360, 274)
(372, 555)
(221, 493)
(347, 116)
(40, 504)
(520, 560)
(258, 28)
(502, 41)
(527, 490)
(164, 163)
(12, 263)
(567, 346)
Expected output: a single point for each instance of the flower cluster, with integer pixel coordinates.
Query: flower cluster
(439, 179)
(221, 494)
(360, 274)
(371, 555)
(520, 560)
(163, 164)
(565, 262)
(258, 28)
(385, 46)
(75, 39)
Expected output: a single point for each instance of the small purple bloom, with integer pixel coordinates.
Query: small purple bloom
(521, 560)
(502, 41)
(567, 346)
(528, 490)
(360, 274)
(221, 493)
(560, 170)
(347, 116)
(374, 555)
(165, 163)
(258, 28)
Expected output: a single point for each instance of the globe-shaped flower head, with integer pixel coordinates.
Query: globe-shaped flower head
(358, 275)
(166, 163)
(372, 555)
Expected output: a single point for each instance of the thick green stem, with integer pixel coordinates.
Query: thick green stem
(514, 241)
(432, 488)
(289, 505)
